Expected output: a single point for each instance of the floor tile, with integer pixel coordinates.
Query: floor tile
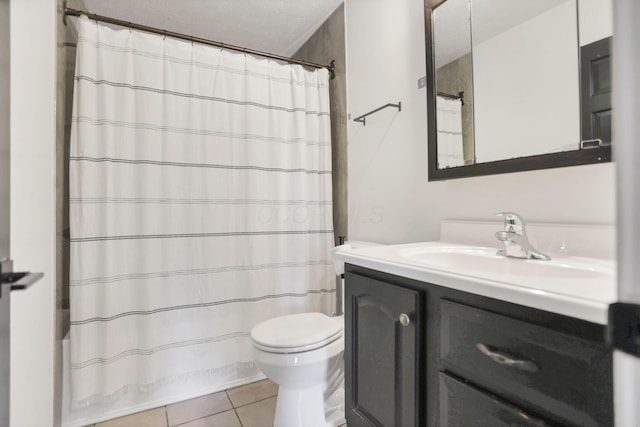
(253, 392)
(259, 414)
(151, 418)
(223, 419)
(189, 410)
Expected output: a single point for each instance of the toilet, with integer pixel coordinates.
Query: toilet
(303, 354)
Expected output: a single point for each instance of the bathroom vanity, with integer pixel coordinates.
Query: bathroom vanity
(465, 360)
(432, 339)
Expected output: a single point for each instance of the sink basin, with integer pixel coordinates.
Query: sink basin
(484, 262)
(575, 284)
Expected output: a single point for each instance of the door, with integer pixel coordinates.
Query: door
(4, 209)
(626, 137)
(382, 352)
(595, 72)
(9, 280)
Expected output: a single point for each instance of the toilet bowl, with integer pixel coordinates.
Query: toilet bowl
(303, 354)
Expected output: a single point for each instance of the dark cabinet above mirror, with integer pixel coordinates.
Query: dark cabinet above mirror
(517, 85)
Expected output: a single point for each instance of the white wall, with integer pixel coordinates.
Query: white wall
(33, 210)
(390, 199)
(529, 71)
(596, 20)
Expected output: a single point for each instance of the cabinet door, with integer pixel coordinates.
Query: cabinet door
(381, 353)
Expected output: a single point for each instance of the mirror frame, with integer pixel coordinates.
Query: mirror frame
(519, 164)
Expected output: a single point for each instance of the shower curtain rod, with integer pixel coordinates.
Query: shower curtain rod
(193, 39)
(459, 96)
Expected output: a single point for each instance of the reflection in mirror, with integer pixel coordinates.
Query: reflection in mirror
(596, 27)
(454, 83)
(525, 62)
(517, 85)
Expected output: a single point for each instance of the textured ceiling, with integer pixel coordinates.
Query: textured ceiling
(275, 26)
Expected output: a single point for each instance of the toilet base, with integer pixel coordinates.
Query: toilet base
(303, 408)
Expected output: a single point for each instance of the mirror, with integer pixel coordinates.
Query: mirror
(517, 85)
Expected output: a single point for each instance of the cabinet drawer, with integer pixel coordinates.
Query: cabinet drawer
(562, 377)
(457, 398)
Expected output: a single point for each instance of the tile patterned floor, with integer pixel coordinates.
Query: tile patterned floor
(251, 405)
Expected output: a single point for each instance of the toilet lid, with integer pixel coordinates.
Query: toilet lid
(296, 332)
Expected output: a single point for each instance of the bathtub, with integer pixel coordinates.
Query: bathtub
(134, 402)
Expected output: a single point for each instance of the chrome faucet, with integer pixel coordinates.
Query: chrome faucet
(514, 237)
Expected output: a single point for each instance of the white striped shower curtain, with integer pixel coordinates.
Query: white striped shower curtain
(200, 205)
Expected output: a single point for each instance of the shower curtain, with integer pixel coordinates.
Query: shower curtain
(449, 123)
(200, 205)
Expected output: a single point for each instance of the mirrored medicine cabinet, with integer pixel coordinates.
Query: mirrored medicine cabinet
(517, 85)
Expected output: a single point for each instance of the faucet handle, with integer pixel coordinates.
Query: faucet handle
(512, 222)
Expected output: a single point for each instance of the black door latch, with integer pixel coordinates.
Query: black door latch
(17, 280)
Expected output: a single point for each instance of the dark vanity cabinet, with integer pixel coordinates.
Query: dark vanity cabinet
(467, 360)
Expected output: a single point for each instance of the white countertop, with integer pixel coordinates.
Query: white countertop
(584, 293)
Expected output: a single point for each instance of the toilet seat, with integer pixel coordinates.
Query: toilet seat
(296, 333)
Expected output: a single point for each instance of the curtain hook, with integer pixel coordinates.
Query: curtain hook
(164, 36)
(129, 26)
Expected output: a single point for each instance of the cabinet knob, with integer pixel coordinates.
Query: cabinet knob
(404, 319)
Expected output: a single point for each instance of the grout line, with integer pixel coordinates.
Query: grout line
(238, 417)
(206, 416)
(255, 401)
(234, 408)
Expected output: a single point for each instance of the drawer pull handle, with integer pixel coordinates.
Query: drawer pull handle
(404, 320)
(506, 360)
